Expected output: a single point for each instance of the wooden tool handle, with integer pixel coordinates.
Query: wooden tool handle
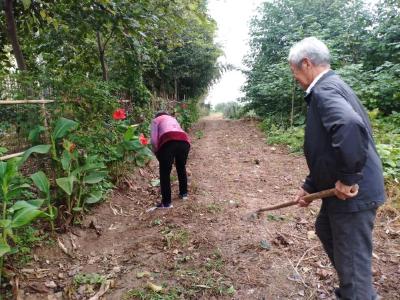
(319, 195)
(307, 198)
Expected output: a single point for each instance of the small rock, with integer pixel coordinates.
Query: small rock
(50, 284)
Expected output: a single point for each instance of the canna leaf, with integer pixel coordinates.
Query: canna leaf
(41, 149)
(22, 204)
(4, 248)
(63, 126)
(94, 177)
(66, 183)
(41, 181)
(25, 216)
(94, 197)
(5, 223)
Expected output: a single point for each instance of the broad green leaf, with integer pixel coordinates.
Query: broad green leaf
(24, 217)
(88, 167)
(5, 223)
(129, 133)
(41, 181)
(134, 145)
(22, 204)
(94, 177)
(15, 192)
(94, 197)
(145, 151)
(63, 126)
(66, 183)
(41, 149)
(4, 248)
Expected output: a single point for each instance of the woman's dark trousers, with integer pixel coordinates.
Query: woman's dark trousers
(169, 152)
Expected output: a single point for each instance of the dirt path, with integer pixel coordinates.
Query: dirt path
(206, 247)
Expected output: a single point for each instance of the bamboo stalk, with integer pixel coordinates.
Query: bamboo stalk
(11, 155)
(41, 101)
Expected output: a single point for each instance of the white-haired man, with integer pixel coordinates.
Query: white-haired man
(340, 152)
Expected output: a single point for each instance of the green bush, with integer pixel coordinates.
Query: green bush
(292, 137)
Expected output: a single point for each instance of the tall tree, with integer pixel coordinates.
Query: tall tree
(12, 34)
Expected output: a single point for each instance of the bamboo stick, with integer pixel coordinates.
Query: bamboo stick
(42, 101)
(11, 155)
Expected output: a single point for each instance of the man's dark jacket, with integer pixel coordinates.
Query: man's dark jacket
(338, 145)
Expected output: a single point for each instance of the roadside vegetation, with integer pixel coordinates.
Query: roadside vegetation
(107, 66)
(365, 48)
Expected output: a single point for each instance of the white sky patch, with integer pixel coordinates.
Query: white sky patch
(233, 19)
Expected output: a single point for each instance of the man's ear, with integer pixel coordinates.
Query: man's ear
(306, 63)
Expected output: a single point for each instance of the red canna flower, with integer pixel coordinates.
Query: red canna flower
(183, 105)
(143, 140)
(119, 114)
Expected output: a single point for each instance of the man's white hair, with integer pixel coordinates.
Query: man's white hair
(313, 49)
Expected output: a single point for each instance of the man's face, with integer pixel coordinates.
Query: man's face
(303, 74)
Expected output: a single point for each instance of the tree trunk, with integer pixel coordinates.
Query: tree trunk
(102, 57)
(292, 110)
(176, 88)
(12, 34)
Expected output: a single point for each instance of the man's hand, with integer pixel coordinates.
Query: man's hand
(299, 198)
(344, 192)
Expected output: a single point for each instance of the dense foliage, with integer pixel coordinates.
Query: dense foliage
(109, 65)
(364, 44)
(365, 47)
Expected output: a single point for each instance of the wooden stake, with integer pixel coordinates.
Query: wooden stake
(11, 155)
(41, 101)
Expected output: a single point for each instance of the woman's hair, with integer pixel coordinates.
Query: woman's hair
(161, 113)
(312, 48)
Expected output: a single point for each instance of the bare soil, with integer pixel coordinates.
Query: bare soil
(207, 247)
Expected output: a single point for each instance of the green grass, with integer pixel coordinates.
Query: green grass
(143, 294)
(175, 236)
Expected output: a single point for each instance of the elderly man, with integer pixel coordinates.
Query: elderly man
(340, 152)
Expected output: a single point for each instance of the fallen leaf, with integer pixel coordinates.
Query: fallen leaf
(323, 274)
(153, 287)
(143, 274)
(311, 235)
